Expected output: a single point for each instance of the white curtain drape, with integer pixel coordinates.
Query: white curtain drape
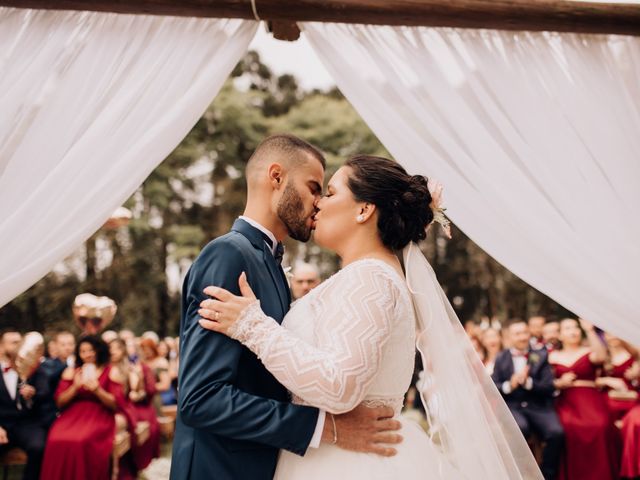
(536, 137)
(90, 104)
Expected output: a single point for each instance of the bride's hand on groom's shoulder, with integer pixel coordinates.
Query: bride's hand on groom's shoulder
(223, 309)
(364, 429)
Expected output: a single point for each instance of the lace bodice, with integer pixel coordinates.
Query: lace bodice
(350, 340)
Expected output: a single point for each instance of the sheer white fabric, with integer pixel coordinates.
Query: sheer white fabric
(536, 136)
(468, 416)
(352, 339)
(91, 103)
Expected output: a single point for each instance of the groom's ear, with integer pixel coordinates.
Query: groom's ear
(276, 175)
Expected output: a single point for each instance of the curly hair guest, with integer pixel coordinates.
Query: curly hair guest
(81, 440)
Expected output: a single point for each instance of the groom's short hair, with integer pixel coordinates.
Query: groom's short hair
(288, 148)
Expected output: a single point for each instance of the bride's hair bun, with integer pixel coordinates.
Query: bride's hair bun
(402, 200)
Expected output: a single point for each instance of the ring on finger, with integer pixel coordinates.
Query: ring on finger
(216, 316)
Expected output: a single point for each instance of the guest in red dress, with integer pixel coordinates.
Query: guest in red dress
(620, 372)
(590, 437)
(622, 382)
(131, 381)
(80, 441)
(142, 401)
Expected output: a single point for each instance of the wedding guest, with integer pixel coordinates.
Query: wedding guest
(130, 340)
(536, 324)
(551, 336)
(52, 348)
(616, 380)
(160, 368)
(621, 381)
(19, 426)
(305, 277)
(591, 444)
(142, 401)
(80, 441)
(478, 347)
(170, 395)
(66, 345)
(132, 383)
(492, 342)
(151, 335)
(525, 379)
(108, 336)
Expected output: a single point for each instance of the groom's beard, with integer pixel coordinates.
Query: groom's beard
(291, 212)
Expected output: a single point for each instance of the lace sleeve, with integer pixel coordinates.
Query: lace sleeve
(355, 315)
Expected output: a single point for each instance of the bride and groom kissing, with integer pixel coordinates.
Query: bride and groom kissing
(315, 390)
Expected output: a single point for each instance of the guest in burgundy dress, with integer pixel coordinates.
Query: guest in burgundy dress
(622, 381)
(591, 451)
(142, 401)
(131, 382)
(80, 441)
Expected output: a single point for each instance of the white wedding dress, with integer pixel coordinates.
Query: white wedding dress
(349, 341)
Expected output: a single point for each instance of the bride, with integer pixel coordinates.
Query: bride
(352, 340)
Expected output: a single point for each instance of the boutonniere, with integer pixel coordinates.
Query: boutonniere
(533, 357)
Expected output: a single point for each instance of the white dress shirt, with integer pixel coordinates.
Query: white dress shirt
(10, 380)
(520, 361)
(317, 434)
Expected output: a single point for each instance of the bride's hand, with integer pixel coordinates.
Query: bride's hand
(220, 314)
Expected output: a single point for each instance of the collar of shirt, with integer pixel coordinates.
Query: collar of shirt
(253, 223)
(6, 367)
(519, 353)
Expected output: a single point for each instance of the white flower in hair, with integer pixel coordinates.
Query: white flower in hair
(435, 189)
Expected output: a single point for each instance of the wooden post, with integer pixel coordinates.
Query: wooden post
(535, 15)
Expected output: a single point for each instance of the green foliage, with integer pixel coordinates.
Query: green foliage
(195, 194)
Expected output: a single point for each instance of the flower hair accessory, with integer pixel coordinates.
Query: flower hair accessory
(435, 189)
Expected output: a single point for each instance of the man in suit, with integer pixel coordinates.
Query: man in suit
(525, 379)
(19, 427)
(305, 277)
(233, 416)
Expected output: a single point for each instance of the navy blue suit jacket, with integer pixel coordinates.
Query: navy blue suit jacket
(540, 372)
(233, 415)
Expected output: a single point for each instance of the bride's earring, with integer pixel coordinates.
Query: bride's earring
(360, 218)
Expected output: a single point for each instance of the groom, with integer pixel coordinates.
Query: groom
(233, 416)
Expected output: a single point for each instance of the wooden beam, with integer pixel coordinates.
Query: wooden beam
(536, 15)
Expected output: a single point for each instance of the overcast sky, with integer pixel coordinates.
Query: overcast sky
(296, 58)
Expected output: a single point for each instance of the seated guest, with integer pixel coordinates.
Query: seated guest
(19, 427)
(65, 348)
(591, 442)
(305, 277)
(142, 401)
(621, 384)
(131, 382)
(525, 380)
(80, 441)
(492, 342)
(130, 340)
(622, 394)
(551, 336)
(536, 324)
(160, 368)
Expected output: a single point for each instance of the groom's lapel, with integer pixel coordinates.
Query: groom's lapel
(257, 239)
